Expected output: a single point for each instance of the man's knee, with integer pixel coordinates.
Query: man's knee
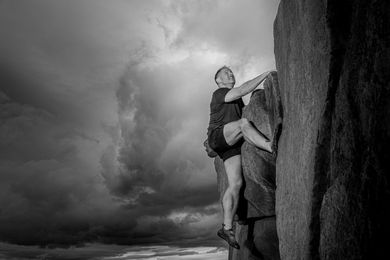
(243, 123)
(236, 186)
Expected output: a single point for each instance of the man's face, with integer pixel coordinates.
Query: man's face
(226, 76)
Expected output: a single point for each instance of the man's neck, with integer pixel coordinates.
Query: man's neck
(226, 85)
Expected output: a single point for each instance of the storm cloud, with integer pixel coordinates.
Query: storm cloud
(104, 108)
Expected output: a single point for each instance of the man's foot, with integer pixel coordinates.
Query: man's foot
(274, 153)
(228, 235)
(274, 148)
(269, 147)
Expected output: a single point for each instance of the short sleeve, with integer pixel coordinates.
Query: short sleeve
(219, 95)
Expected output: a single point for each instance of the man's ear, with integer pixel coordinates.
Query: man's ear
(218, 80)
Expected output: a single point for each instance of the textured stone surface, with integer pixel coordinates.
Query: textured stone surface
(258, 166)
(258, 239)
(265, 238)
(332, 170)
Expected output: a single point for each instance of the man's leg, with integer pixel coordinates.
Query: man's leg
(233, 131)
(231, 196)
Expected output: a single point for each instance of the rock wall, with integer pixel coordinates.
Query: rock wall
(257, 237)
(332, 170)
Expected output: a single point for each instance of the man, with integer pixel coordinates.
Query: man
(226, 133)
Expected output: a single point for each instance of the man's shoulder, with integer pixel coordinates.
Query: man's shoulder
(219, 95)
(220, 91)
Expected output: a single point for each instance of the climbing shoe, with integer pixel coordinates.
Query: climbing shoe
(228, 236)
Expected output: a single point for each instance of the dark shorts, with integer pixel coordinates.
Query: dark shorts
(218, 143)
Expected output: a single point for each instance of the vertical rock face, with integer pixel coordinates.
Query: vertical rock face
(257, 238)
(332, 170)
(264, 111)
(303, 74)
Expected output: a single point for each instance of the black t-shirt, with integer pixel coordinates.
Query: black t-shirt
(222, 112)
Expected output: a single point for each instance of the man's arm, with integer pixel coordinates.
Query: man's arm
(247, 87)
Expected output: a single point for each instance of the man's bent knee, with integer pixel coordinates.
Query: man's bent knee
(243, 122)
(236, 186)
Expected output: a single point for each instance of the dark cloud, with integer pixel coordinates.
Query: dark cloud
(45, 180)
(151, 179)
(45, 184)
(152, 116)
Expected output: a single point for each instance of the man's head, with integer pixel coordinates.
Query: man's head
(225, 77)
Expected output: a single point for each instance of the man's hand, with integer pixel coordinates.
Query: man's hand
(210, 152)
(247, 87)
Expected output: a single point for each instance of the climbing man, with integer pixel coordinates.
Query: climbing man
(225, 135)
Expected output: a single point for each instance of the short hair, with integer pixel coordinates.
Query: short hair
(218, 71)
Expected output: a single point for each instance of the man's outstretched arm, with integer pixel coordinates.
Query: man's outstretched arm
(247, 87)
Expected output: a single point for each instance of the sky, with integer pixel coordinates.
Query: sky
(104, 107)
